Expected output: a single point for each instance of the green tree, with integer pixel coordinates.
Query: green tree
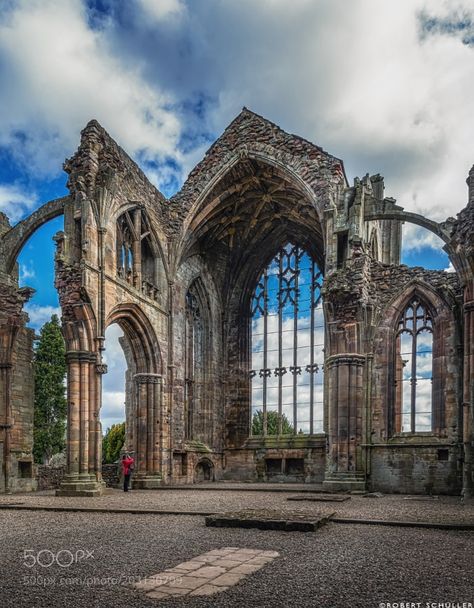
(50, 411)
(273, 419)
(112, 443)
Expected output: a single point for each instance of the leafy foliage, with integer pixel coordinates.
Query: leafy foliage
(113, 442)
(49, 430)
(273, 419)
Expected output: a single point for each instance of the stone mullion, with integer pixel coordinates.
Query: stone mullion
(295, 344)
(413, 377)
(280, 346)
(311, 353)
(136, 248)
(265, 349)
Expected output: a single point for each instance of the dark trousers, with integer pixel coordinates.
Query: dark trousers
(126, 482)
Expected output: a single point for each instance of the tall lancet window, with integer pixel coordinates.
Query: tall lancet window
(414, 369)
(287, 346)
(194, 368)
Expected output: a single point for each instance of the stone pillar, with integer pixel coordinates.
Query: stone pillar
(83, 477)
(5, 415)
(344, 468)
(468, 395)
(148, 420)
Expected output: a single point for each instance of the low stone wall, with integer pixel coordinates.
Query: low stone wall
(111, 475)
(49, 478)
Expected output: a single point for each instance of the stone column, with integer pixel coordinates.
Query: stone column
(6, 420)
(344, 468)
(468, 396)
(148, 420)
(83, 476)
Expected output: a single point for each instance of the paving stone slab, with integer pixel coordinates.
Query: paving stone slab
(321, 498)
(207, 579)
(263, 519)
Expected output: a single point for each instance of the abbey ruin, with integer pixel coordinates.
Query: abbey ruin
(270, 331)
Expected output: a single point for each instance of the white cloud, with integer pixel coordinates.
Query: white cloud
(159, 10)
(15, 202)
(27, 271)
(39, 315)
(62, 75)
(357, 78)
(415, 238)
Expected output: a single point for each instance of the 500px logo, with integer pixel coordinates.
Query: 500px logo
(63, 558)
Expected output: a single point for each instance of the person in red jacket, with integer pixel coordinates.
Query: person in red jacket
(127, 468)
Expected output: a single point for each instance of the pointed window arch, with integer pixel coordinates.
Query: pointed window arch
(414, 369)
(138, 259)
(197, 423)
(287, 346)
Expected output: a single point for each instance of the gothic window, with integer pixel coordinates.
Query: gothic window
(194, 366)
(414, 369)
(287, 346)
(137, 260)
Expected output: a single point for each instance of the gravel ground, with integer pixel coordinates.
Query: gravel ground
(445, 509)
(335, 567)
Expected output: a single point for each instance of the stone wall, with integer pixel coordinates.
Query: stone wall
(49, 477)
(256, 189)
(111, 475)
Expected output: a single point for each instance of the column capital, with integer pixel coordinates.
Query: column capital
(469, 306)
(346, 359)
(145, 378)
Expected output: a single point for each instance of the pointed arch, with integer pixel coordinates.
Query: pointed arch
(287, 346)
(406, 322)
(140, 335)
(198, 418)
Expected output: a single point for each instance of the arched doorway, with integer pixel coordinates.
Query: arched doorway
(143, 393)
(204, 471)
(27, 286)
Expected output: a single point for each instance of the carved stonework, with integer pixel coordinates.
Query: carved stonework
(260, 312)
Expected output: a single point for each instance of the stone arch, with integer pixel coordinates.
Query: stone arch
(145, 410)
(237, 322)
(445, 341)
(15, 238)
(204, 470)
(440, 229)
(141, 335)
(209, 202)
(198, 365)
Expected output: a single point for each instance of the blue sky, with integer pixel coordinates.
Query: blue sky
(381, 84)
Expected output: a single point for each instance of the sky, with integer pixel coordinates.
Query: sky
(386, 86)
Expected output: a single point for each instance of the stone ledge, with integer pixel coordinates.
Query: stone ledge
(322, 498)
(269, 520)
(404, 524)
